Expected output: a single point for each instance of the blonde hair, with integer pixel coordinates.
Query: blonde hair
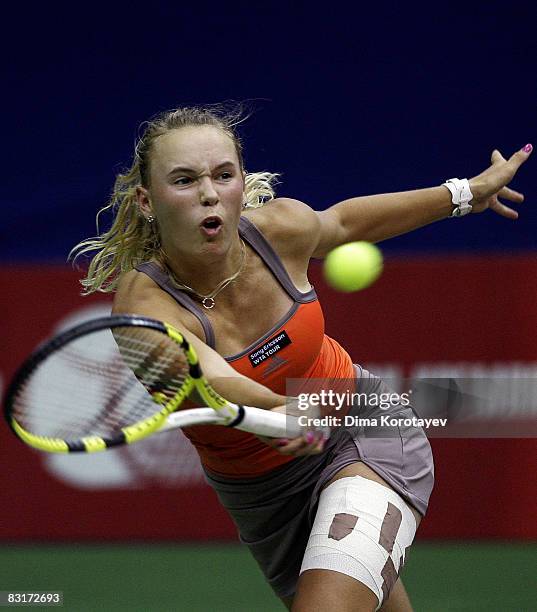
(131, 240)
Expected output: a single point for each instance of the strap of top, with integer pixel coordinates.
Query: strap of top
(249, 232)
(259, 243)
(156, 273)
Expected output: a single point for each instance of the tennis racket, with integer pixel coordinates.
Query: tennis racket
(116, 380)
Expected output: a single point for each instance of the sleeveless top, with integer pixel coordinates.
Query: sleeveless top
(296, 347)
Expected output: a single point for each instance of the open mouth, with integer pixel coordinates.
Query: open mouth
(211, 225)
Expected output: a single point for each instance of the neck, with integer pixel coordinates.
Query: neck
(203, 272)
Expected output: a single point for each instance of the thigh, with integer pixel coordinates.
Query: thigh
(357, 545)
(326, 591)
(398, 600)
(361, 469)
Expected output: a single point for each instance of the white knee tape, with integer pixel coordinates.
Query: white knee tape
(361, 529)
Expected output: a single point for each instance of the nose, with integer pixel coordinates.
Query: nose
(208, 194)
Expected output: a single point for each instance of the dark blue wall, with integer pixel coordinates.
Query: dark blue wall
(353, 99)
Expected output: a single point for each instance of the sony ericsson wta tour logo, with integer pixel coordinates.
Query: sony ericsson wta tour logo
(269, 348)
(268, 353)
(168, 459)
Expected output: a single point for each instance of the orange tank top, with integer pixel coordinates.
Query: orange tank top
(295, 348)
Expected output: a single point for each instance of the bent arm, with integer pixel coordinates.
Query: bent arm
(137, 294)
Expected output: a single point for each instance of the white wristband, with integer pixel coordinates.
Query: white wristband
(461, 196)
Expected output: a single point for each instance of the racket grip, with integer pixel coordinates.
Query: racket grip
(255, 420)
(268, 423)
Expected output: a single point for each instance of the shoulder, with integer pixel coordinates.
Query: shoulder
(138, 294)
(286, 213)
(134, 290)
(133, 284)
(289, 224)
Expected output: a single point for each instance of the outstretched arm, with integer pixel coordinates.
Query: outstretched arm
(378, 217)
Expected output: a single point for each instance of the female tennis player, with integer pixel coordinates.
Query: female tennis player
(200, 243)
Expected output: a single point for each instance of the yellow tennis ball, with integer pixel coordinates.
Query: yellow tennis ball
(353, 266)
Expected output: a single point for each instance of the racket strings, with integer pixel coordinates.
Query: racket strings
(101, 382)
(148, 375)
(152, 372)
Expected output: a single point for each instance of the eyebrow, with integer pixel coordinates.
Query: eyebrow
(186, 170)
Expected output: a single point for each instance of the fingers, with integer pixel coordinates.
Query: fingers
(518, 158)
(499, 174)
(309, 444)
(497, 157)
(511, 194)
(304, 448)
(503, 210)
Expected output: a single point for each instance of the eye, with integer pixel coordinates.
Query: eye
(183, 180)
(226, 176)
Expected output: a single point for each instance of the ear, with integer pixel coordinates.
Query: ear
(244, 197)
(144, 201)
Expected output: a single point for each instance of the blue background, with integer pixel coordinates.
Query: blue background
(350, 100)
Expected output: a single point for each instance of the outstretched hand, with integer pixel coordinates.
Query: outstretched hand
(491, 184)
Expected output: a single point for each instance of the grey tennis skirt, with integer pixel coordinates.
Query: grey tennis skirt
(274, 512)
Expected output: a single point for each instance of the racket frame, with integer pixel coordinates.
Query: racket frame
(219, 411)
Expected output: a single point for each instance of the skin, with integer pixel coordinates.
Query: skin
(214, 185)
(174, 199)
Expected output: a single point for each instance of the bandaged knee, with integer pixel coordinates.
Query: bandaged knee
(361, 529)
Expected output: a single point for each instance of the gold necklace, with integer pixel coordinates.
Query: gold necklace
(208, 301)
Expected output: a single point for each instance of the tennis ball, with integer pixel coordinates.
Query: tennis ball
(353, 266)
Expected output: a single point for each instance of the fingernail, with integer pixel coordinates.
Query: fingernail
(283, 442)
(310, 436)
(528, 148)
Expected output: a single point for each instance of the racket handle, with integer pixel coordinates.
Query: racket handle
(255, 420)
(269, 423)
